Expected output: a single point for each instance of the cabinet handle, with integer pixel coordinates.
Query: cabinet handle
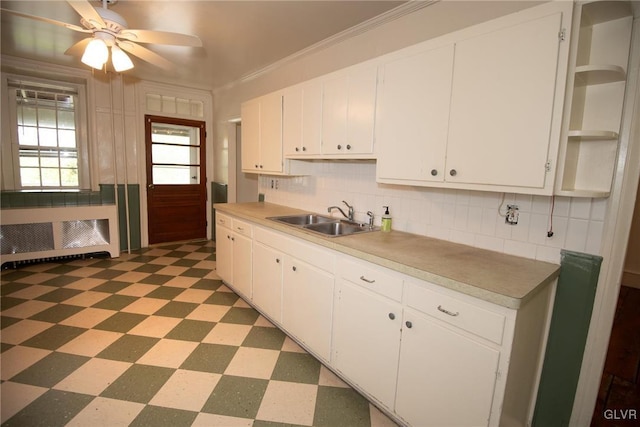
(409, 324)
(233, 239)
(453, 172)
(228, 237)
(364, 279)
(294, 268)
(339, 147)
(277, 260)
(434, 172)
(304, 148)
(260, 166)
(256, 166)
(297, 149)
(348, 147)
(239, 228)
(450, 313)
(392, 316)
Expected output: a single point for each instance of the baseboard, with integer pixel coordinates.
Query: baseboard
(631, 279)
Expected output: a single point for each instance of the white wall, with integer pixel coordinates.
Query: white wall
(468, 217)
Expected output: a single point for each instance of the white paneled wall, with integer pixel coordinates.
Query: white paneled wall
(468, 217)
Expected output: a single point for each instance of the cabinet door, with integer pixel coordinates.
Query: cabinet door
(361, 111)
(444, 377)
(224, 254)
(267, 280)
(502, 105)
(348, 112)
(312, 118)
(366, 340)
(271, 133)
(242, 264)
(292, 121)
(334, 115)
(250, 112)
(302, 120)
(307, 302)
(414, 116)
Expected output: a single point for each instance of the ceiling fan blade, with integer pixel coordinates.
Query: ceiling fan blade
(47, 20)
(146, 55)
(160, 37)
(78, 48)
(87, 12)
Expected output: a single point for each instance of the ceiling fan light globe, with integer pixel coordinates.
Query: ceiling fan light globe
(96, 54)
(121, 61)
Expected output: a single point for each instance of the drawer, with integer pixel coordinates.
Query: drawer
(375, 278)
(242, 227)
(477, 320)
(223, 220)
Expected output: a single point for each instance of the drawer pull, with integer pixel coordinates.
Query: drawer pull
(364, 279)
(240, 228)
(450, 313)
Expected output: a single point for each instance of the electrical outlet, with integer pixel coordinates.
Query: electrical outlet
(512, 215)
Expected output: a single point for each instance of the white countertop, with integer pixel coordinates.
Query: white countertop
(495, 277)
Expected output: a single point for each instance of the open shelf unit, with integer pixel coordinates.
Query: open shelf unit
(593, 108)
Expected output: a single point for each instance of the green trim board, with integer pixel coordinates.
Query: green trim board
(133, 191)
(575, 295)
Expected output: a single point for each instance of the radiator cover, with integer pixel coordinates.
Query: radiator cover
(31, 234)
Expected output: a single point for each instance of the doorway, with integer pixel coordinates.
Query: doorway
(176, 179)
(620, 383)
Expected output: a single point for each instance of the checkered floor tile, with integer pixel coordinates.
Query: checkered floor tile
(154, 338)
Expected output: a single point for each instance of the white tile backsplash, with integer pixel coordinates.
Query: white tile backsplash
(468, 217)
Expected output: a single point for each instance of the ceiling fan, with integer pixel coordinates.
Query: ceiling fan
(109, 31)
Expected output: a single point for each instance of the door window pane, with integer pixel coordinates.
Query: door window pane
(175, 175)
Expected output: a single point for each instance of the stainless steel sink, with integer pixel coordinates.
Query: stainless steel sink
(303, 219)
(324, 225)
(339, 228)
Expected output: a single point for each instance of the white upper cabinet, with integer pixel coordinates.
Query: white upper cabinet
(478, 109)
(413, 117)
(502, 103)
(302, 120)
(348, 111)
(262, 135)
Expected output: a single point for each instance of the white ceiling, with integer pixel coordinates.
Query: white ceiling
(239, 37)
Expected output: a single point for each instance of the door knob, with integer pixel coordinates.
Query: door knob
(151, 186)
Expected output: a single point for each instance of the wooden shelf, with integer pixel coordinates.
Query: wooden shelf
(582, 193)
(587, 75)
(593, 135)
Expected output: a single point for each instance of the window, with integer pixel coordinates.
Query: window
(49, 125)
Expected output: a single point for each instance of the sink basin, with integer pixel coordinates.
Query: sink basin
(305, 219)
(338, 228)
(324, 225)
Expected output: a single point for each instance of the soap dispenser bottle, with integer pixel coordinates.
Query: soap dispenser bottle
(386, 220)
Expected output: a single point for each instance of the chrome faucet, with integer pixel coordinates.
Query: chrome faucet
(349, 216)
(370, 214)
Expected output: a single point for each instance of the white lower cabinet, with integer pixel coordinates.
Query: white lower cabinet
(366, 340)
(307, 305)
(234, 253)
(267, 280)
(428, 355)
(444, 378)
